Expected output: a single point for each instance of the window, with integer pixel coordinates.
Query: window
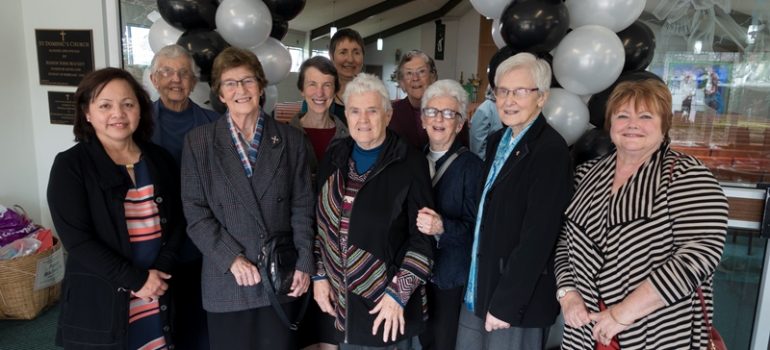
(324, 53)
(137, 46)
(297, 57)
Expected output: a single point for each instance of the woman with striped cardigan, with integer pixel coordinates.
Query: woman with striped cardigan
(644, 231)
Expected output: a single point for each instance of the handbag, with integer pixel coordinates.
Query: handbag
(281, 258)
(277, 271)
(715, 341)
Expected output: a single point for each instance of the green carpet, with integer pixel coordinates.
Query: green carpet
(37, 334)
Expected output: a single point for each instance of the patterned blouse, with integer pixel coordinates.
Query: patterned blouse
(666, 225)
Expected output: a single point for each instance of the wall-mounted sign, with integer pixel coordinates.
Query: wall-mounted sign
(440, 41)
(64, 56)
(61, 107)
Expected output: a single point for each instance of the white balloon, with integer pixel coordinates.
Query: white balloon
(162, 34)
(566, 113)
(200, 94)
(275, 59)
(271, 99)
(613, 14)
(490, 8)
(588, 60)
(244, 23)
(147, 83)
(497, 37)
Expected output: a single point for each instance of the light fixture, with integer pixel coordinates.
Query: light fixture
(379, 44)
(697, 47)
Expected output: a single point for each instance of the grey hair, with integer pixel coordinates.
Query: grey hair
(364, 83)
(173, 51)
(409, 56)
(538, 68)
(447, 88)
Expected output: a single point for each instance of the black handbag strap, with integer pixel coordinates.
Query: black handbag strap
(270, 291)
(440, 172)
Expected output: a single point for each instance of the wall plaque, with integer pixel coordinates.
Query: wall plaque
(64, 56)
(61, 107)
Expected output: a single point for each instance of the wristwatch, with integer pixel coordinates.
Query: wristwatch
(561, 292)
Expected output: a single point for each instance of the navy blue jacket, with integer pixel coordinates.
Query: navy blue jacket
(456, 201)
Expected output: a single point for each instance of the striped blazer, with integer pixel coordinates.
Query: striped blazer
(666, 224)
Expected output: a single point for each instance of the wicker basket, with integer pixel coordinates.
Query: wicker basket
(18, 300)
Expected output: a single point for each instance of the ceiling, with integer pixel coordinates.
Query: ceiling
(318, 14)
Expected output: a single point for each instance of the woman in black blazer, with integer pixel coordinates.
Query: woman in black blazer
(115, 202)
(527, 183)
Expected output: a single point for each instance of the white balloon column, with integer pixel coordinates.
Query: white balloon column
(588, 60)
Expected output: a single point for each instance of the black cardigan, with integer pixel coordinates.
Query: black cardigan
(519, 227)
(86, 192)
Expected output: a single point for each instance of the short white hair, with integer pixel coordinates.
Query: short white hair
(364, 83)
(171, 52)
(538, 68)
(447, 88)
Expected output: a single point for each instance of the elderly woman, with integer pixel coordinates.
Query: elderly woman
(415, 72)
(643, 235)
(174, 74)
(346, 49)
(456, 174)
(114, 200)
(245, 184)
(318, 83)
(509, 297)
(371, 260)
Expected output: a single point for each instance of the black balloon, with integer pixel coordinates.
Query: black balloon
(597, 105)
(280, 28)
(639, 43)
(216, 103)
(189, 14)
(534, 26)
(204, 45)
(495, 61)
(594, 143)
(285, 10)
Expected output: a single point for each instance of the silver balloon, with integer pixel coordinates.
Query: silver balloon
(275, 59)
(490, 8)
(148, 86)
(201, 94)
(496, 36)
(162, 34)
(244, 23)
(566, 113)
(613, 14)
(588, 60)
(271, 99)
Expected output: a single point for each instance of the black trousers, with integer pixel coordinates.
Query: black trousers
(443, 316)
(252, 329)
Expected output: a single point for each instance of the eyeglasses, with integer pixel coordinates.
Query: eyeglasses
(431, 112)
(410, 74)
(167, 72)
(503, 93)
(248, 83)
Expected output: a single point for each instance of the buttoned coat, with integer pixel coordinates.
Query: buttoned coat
(86, 194)
(519, 228)
(230, 214)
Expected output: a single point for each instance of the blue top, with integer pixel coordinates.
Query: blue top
(171, 127)
(485, 122)
(363, 158)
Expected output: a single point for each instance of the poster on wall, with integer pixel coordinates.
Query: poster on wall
(61, 107)
(438, 53)
(64, 56)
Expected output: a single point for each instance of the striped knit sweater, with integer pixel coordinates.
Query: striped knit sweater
(666, 224)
